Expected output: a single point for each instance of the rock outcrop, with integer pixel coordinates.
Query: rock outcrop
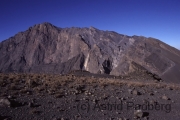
(45, 48)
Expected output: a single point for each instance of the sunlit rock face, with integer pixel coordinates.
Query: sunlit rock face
(45, 48)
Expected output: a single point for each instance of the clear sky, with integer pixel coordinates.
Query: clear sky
(150, 18)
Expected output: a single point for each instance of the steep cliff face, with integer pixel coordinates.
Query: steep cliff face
(45, 48)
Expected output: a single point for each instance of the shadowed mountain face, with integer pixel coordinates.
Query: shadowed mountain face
(45, 48)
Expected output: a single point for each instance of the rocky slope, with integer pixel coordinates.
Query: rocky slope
(45, 48)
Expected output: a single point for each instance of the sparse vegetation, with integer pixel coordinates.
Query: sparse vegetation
(41, 81)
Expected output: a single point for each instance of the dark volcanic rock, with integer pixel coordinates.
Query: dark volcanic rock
(5, 102)
(45, 48)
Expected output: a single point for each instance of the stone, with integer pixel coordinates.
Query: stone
(165, 97)
(30, 104)
(130, 91)
(10, 97)
(5, 102)
(135, 92)
(138, 113)
(151, 93)
(157, 77)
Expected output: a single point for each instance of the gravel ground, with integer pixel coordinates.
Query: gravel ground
(87, 97)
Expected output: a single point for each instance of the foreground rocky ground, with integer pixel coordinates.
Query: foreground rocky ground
(84, 96)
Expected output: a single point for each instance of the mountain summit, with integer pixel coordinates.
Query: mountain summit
(45, 48)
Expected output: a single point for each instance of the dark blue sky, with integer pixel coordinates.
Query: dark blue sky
(151, 18)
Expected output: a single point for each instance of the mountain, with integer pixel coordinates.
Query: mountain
(45, 48)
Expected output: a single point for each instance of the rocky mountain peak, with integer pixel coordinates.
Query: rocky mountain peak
(45, 48)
